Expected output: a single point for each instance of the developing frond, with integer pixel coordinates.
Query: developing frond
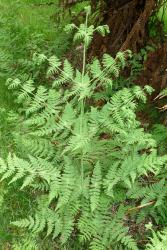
(69, 27)
(85, 34)
(103, 30)
(88, 10)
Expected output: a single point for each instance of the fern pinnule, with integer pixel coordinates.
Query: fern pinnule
(54, 64)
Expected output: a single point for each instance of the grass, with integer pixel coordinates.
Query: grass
(38, 18)
(24, 19)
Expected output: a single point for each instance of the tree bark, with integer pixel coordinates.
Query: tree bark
(127, 20)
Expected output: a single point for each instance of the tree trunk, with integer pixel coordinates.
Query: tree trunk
(127, 20)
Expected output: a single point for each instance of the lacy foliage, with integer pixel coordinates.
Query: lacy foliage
(85, 162)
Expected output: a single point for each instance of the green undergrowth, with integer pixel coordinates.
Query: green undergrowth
(27, 27)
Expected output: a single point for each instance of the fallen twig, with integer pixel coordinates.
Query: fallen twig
(141, 206)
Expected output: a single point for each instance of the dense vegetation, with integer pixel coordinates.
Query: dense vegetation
(79, 167)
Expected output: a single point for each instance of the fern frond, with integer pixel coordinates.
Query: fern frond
(35, 168)
(103, 30)
(121, 57)
(68, 70)
(38, 223)
(110, 64)
(38, 101)
(95, 187)
(139, 93)
(26, 243)
(67, 184)
(158, 240)
(96, 69)
(13, 84)
(54, 64)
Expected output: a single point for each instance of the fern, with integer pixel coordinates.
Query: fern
(82, 161)
(95, 187)
(158, 240)
(35, 168)
(27, 243)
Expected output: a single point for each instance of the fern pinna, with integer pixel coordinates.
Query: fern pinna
(86, 161)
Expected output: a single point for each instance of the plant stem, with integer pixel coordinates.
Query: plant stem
(83, 102)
